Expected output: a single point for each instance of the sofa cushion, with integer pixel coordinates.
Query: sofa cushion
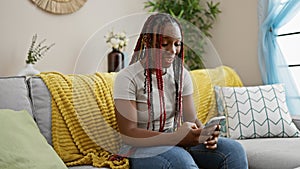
(257, 111)
(14, 94)
(272, 153)
(22, 145)
(41, 103)
(204, 81)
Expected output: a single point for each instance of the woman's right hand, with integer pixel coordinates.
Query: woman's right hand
(188, 134)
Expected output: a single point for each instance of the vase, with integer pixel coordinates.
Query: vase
(29, 70)
(115, 61)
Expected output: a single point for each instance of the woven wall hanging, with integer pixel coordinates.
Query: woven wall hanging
(60, 6)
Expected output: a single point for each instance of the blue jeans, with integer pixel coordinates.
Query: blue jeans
(228, 155)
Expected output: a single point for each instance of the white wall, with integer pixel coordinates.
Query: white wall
(234, 35)
(21, 19)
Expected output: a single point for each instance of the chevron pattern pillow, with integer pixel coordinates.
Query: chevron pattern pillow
(255, 112)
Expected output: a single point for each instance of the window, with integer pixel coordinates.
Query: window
(289, 43)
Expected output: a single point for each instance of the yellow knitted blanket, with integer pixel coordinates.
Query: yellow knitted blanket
(84, 127)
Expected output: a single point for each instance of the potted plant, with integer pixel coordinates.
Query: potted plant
(199, 13)
(36, 52)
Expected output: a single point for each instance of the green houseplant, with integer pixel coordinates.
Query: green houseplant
(37, 51)
(199, 13)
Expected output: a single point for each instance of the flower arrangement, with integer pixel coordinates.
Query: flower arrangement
(36, 52)
(117, 41)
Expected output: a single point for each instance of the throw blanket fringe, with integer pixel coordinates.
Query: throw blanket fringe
(84, 127)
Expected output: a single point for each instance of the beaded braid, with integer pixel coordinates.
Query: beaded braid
(178, 76)
(152, 30)
(159, 73)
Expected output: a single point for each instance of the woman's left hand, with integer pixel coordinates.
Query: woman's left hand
(212, 142)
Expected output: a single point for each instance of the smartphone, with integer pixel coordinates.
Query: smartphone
(215, 120)
(209, 128)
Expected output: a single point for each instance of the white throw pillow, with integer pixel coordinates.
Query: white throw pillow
(255, 111)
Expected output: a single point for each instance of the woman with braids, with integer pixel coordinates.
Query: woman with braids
(155, 110)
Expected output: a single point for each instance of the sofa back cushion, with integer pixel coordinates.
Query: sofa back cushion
(14, 94)
(204, 81)
(41, 103)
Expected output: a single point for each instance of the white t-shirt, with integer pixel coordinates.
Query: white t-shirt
(129, 85)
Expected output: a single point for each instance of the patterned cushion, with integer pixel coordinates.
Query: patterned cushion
(254, 112)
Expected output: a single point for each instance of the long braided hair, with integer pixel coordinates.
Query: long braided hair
(148, 45)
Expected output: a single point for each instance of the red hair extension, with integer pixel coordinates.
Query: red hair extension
(149, 88)
(159, 74)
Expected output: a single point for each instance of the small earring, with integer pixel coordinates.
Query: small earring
(143, 51)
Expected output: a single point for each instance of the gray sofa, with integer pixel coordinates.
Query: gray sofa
(32, 95)
(19, 93)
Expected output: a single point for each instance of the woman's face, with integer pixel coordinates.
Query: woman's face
(171, 44)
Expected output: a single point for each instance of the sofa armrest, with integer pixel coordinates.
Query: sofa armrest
(296, 120)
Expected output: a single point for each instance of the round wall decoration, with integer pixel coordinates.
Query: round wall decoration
(59, 6)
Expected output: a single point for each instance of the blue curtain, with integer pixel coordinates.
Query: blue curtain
(272, 15)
